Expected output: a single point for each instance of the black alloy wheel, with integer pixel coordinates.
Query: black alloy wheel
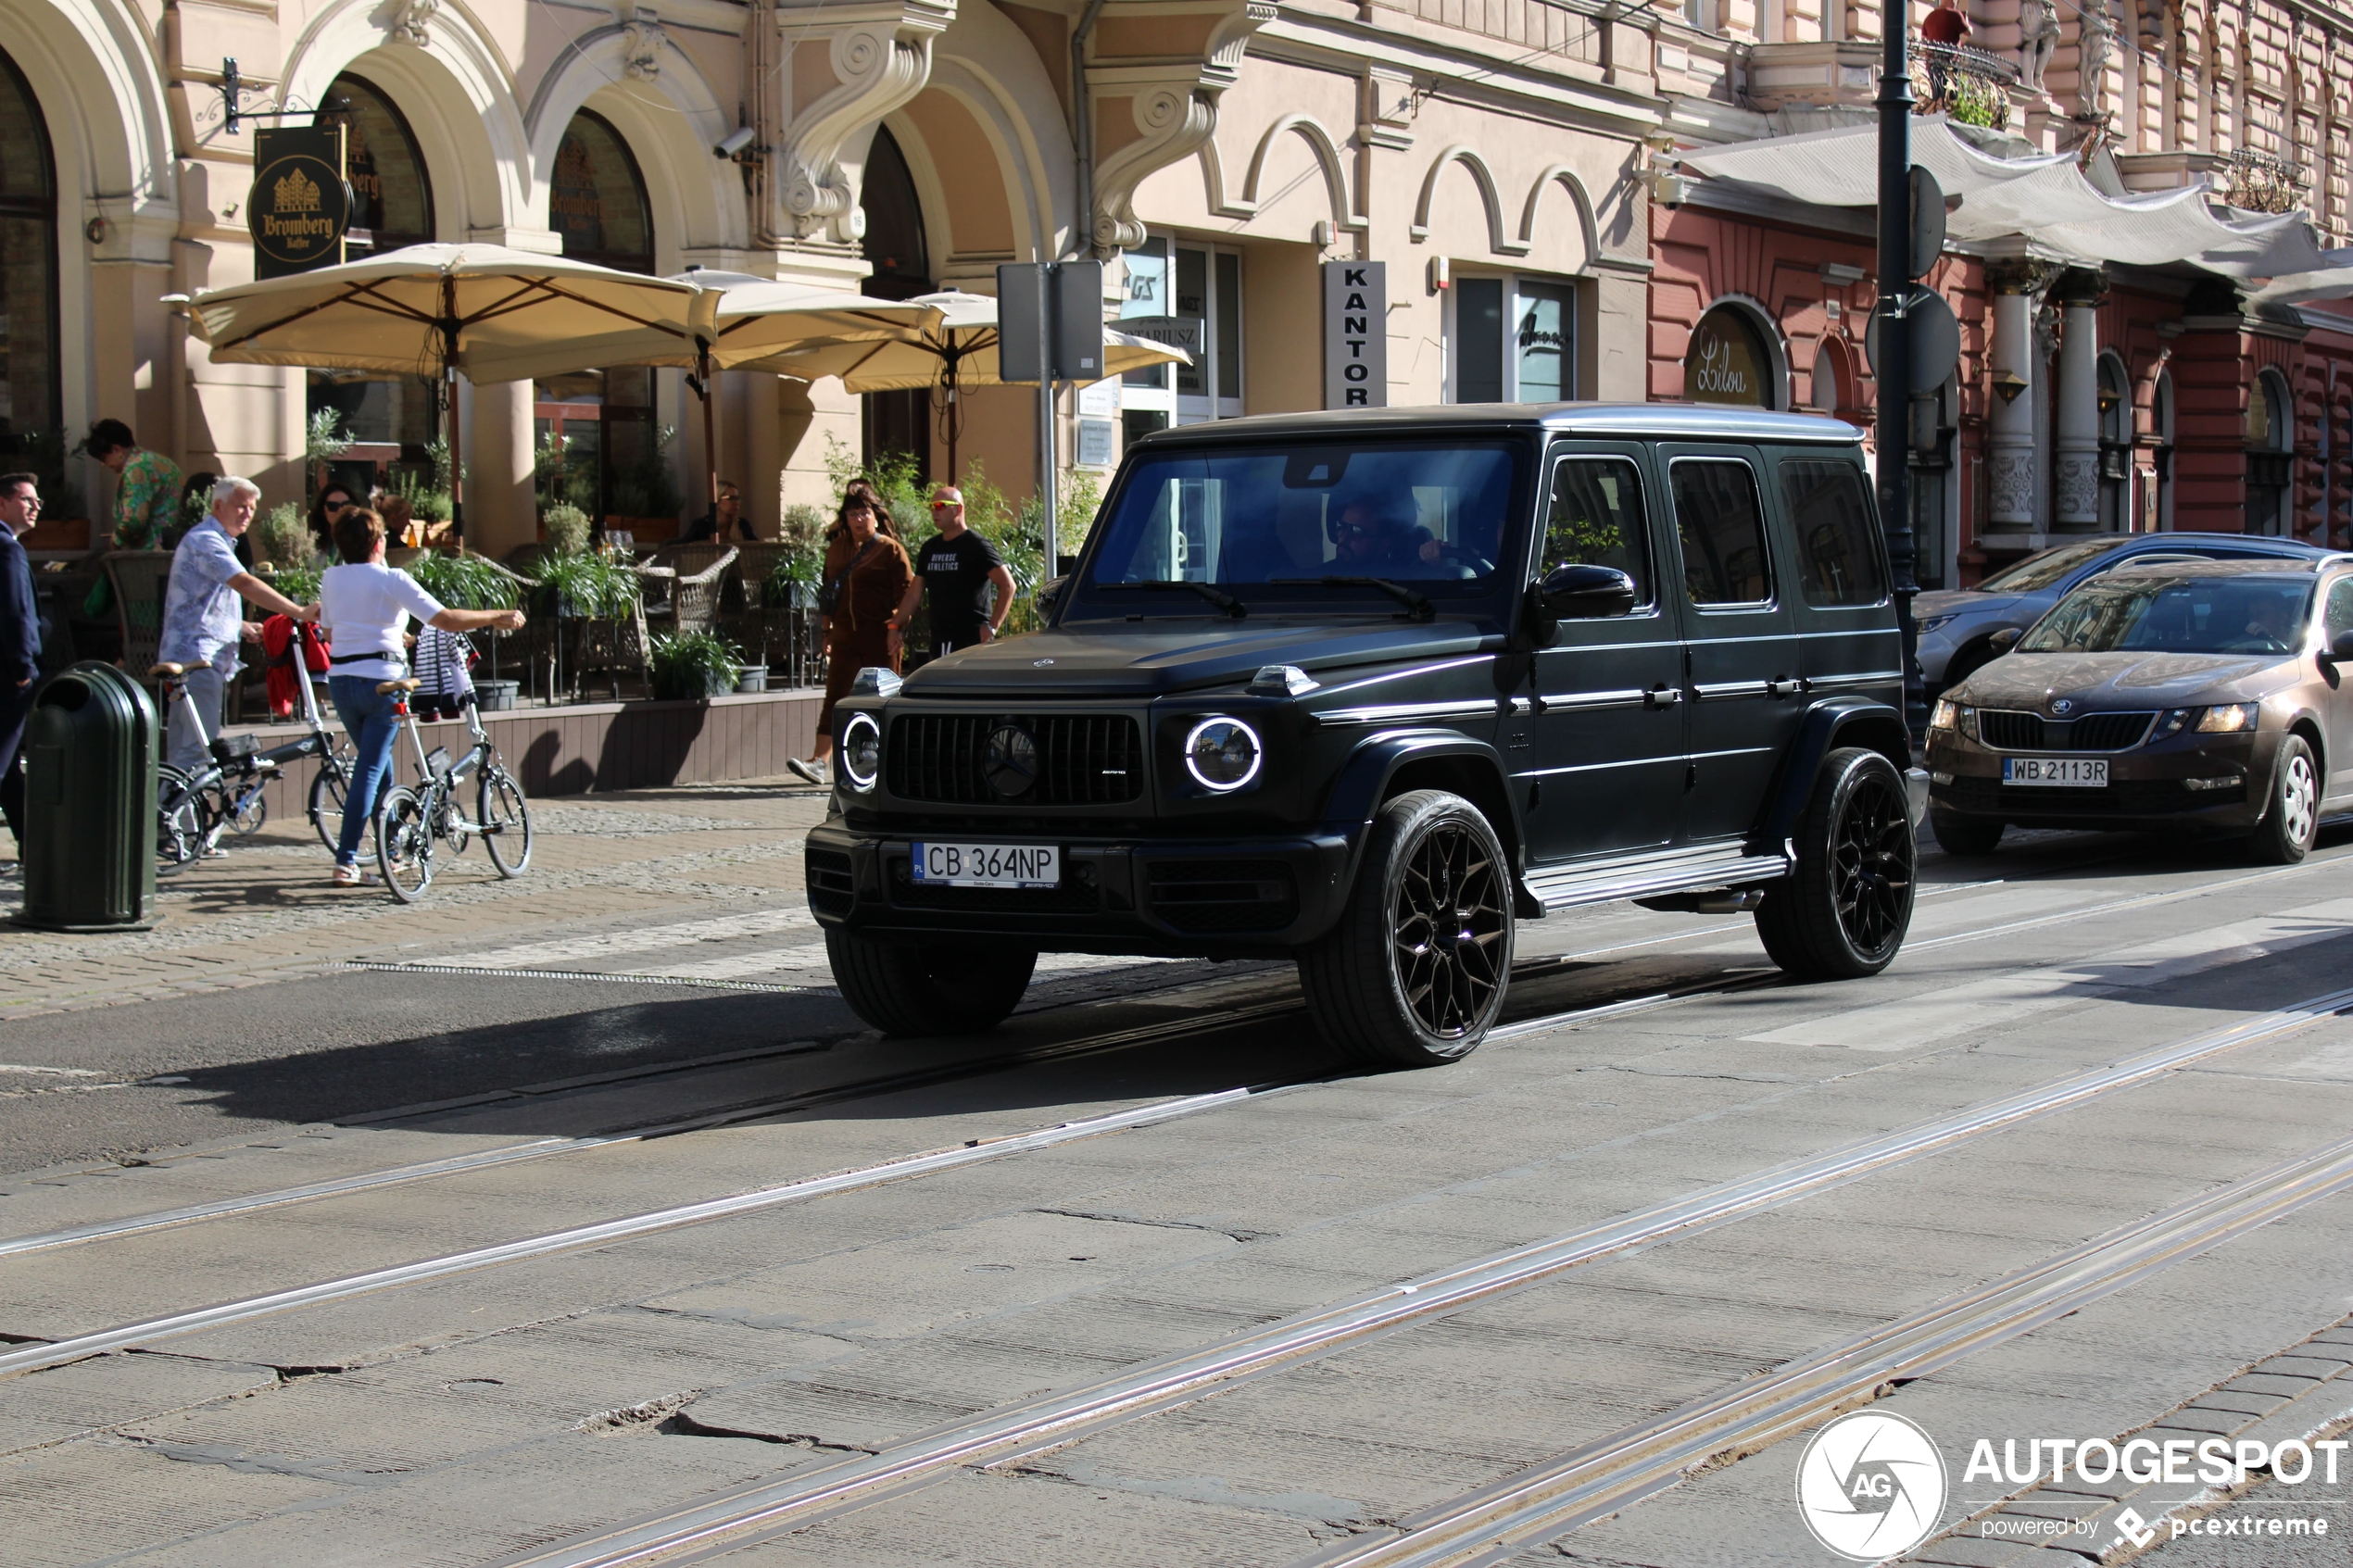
(955, 985)
(1842, 913)
(1416, 972)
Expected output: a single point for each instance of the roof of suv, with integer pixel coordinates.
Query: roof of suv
(2278, 566)
(1667, 422)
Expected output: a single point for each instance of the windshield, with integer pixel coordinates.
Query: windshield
(1425, 515)
(2202, 615)
(2042, 571)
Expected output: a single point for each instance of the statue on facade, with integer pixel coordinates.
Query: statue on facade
(411, 21)
(2094, 42)
(2038, 29)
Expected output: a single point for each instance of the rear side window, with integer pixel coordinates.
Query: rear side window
(1722, 528)
(1831, 517)
(1596, 520)
(2339, 615)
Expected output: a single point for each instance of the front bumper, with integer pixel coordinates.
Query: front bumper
(2149, 787)
(1163, 896)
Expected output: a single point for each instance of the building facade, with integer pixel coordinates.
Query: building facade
(1508, 162)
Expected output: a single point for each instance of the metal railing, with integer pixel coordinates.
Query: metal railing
(1966, 85)
(2259, 183)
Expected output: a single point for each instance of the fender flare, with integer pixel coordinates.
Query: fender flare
(1364, 780)
(1830, 723)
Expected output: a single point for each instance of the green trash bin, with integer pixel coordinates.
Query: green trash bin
(90, 803)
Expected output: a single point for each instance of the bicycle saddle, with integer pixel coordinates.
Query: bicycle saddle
(167, 671)
(388, 687)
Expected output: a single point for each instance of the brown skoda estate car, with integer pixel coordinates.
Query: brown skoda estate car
(2208, 696)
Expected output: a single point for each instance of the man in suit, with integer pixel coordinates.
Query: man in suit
(20, 638)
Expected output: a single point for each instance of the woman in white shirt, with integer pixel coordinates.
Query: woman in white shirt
(366, 605)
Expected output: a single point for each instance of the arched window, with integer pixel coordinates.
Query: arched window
(392, 198)
(897, 248)
(1730, 361)
(2271, 446)
(2116, 446)
(1826, 395)
(597, 201)
(29, 396)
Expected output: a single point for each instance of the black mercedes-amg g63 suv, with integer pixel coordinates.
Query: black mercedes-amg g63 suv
(1365, 689)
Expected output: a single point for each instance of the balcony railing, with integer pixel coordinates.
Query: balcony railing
(1967, 85)
(2259, 182)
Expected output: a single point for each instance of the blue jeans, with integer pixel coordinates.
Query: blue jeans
(368, 717)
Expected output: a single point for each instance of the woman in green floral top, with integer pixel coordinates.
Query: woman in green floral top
(146, 495)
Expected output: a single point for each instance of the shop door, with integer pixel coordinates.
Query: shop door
(1743, 664)
(1605, 774)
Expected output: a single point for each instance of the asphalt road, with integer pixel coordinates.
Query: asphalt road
(1680, 1201)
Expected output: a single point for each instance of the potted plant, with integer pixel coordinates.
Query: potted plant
(586, 587)
(691, 666)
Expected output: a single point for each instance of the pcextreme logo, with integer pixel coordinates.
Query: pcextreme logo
(1871, 1486)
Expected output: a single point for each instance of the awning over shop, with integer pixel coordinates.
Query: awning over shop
(2045, 199)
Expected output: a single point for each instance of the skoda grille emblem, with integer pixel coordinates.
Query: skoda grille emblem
(1010, 764)
(2063, 706)
(1040, 663)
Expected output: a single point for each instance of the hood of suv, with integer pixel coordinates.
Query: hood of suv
(2110, 681)
(1958, 601)
(1095, 659)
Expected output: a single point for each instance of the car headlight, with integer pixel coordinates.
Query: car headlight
(2229, 719)
(1946, 717)
(1933, 621)
(862, 751)
(1223, 753)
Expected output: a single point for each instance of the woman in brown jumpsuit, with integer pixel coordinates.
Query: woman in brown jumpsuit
(863, 548)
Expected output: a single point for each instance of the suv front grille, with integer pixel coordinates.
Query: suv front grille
(2005, 730)
(1221, 895)
(1082, 760)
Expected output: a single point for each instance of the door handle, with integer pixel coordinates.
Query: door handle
(1783, 687)
(1663, 697)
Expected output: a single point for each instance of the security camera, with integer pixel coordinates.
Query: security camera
(738, 140)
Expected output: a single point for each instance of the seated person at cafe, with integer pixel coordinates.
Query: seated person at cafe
(724, 523)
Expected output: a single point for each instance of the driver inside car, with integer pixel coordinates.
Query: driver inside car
(2270, 623)
(1380, 538)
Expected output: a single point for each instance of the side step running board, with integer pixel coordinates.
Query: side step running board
(1601, 884)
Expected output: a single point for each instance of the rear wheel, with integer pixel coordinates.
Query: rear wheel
(956, 987)
(504, 817)
(326, 798)
(404, 844)
(1416, 972)
(2293, 816)
(1956, 834)
(1842, 913)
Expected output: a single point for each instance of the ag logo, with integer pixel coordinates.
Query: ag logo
(1871, 1486)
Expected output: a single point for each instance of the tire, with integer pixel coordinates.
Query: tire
(1956, 834)
(2292, 816)
(504, 817)
(957, 987)
(326, 800)
(404, 844)
(183, 822)
(1416, 973)
(1843, 913)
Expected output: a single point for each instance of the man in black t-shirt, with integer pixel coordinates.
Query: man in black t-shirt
(957, 569)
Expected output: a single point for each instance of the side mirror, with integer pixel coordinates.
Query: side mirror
(1588, 593)
(1050, 594)
(2004, 640)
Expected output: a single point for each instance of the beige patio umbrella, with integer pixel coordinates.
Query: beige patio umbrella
(495, 314)
(958, 351)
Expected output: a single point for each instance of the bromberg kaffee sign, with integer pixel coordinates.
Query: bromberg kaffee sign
(300, 203)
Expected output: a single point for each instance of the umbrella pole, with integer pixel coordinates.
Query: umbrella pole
(709, 431)
(449, 324)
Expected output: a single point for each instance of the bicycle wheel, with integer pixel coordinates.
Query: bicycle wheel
(183, 820)
(326, 795)
(404, 843)
(504, 817)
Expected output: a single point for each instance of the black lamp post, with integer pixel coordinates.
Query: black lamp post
(1892, 365)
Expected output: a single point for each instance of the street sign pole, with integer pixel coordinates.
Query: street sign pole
(1897, 267)
(1046, 367)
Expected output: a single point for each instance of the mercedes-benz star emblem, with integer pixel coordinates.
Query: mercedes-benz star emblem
(1010, 762)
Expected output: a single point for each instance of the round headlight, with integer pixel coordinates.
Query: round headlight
(1223, 753)
(861, 751)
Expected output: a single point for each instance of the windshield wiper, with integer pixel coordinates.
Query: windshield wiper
(1218, 596)
(1417, 603)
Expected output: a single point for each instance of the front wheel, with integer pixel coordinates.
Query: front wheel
(504, 817)
(2293, 818)
(952, 987)
(1842, 913)
(183, 820)
(404, 843)
(1415, 972)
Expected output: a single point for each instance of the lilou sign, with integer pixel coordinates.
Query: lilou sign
(300, 204)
